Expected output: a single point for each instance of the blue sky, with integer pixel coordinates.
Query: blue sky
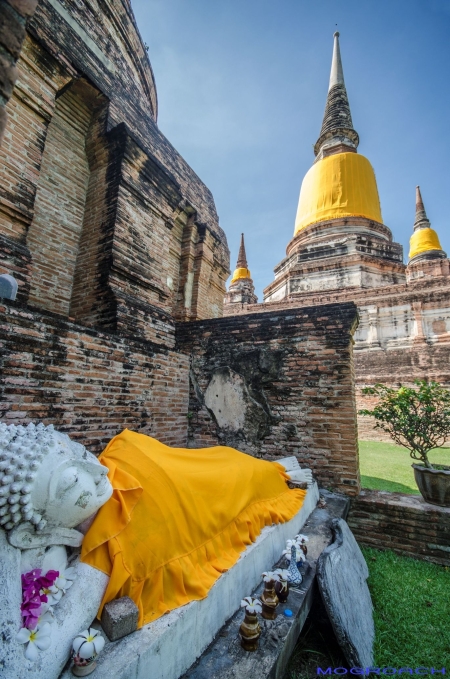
(242, 86)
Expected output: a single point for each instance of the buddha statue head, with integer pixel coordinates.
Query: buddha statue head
(48, 485)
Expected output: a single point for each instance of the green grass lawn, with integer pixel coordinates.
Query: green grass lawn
(385, 466)
(411, 610)
(411, 615)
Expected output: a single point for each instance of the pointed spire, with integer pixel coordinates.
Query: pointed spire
(337, 126)
(241, 288)
(421, 221)
(337, 73)
(242, 257)
(424, 243)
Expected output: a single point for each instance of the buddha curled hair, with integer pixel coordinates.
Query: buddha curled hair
(22, 450)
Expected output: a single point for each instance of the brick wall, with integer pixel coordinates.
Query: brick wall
(30, 110)
(412, 338)
(55, 231)
(13, 19)
(87, 383)
(88, 288)
(286, 381)
(404, 523)
(93, 199)
(422, 360)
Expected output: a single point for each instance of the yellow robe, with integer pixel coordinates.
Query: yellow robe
(178, 518)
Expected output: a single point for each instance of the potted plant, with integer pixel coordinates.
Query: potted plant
(417, 419)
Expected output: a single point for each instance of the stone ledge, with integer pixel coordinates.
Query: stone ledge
(167, 647)
(404, 523)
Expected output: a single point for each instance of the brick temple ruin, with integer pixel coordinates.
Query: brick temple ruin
(121, 266)
(343, 252)
(114, 245)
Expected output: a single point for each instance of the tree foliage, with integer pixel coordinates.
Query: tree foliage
(416, 418)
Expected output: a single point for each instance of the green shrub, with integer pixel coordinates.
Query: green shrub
(416, 418)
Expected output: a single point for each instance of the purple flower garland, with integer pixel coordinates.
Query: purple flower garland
(34, 587)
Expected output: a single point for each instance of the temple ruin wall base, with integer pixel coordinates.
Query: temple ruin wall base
(403, 523)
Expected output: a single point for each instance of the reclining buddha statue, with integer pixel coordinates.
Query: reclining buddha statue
(144, 520)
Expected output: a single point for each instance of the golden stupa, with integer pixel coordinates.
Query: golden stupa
(424, 238)
(242, 270)
(339, 184)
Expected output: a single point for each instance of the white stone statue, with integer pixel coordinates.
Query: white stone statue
(48, 486)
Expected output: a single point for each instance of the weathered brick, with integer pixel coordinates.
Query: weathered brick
(117, 223)
(404, 523)
(12, 29)
(99, 402)
(310, 418)
(25, 8)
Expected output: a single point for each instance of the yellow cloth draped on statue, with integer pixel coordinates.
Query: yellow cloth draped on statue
(178, 518)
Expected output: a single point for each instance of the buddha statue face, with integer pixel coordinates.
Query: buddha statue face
(48, 480)
(68, 490)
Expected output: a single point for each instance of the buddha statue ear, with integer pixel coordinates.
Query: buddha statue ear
(25, 536)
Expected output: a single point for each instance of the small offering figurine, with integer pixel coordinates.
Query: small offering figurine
(269, 597)
(282, 584)
(301, 541)
(86, 647)
(301, 550)
(250, 630)
(295, 577)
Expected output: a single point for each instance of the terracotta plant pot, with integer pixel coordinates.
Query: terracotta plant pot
(282, 591)
(269, 601)
(434, 484)
(250, 631)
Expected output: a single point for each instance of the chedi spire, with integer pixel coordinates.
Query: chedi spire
(421, 221)
(241, 290)
(242, 257)
(337, 126)
(424, 243)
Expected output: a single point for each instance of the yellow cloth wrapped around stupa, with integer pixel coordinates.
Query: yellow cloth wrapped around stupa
(242, 272)
(340, 185)
(423, 240)
(178, 518)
